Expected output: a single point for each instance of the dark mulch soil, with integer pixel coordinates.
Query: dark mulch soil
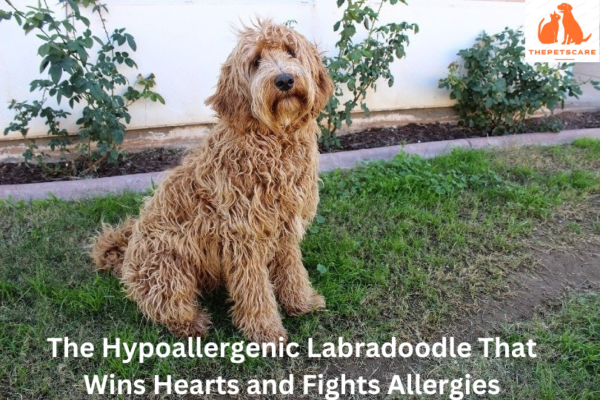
(418, 133)
(150, 160)
(159, 159)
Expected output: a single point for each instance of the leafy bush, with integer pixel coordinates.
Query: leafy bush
(358, 66)
(74, 77)
(496, 89)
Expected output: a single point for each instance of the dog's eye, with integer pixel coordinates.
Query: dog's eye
(256, 62)
(291, 53)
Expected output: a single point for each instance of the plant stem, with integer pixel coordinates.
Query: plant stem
(95, 164)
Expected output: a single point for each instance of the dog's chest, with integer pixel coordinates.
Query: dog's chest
(279, 182)
(285, 176)
(270, 186)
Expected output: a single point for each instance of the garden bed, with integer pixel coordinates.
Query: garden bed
(160, 159)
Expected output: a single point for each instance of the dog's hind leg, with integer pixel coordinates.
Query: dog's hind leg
(108, 248)
(163, 283)
(254, 310)
(293, 288)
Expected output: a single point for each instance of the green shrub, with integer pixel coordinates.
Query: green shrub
(496, 89)
(357, 66)
(73, 76)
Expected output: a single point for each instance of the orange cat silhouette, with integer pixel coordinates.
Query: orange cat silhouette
(572, 29)
(549, 33)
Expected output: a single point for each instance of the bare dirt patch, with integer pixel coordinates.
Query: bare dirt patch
(560, 270)
(531, 293)
(564, 261)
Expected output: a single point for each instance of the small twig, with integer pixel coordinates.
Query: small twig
(95, 164)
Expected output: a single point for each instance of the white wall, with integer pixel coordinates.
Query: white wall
(184, 42)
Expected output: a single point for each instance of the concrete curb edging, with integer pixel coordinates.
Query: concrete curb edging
(69, 190)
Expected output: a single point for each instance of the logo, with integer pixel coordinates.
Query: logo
(565, 32)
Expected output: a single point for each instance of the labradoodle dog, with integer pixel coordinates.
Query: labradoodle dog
(235, 210)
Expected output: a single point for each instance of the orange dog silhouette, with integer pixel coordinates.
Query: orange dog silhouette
(549, 33)
(572, 29)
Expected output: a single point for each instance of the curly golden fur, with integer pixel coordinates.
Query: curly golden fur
(236, 209)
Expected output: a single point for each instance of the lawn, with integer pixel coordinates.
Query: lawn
(407, 249)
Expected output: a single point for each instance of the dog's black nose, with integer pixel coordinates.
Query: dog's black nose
(284, 82)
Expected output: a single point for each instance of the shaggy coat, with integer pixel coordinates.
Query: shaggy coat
(236, 209)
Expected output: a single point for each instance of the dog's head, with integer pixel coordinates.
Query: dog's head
(274, 78)
(564, 7)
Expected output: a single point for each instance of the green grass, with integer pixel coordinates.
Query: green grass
(567, 365)
(398, 249)
(593, 145)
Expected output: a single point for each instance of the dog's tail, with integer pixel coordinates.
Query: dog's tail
(109, 247)
(587, 38)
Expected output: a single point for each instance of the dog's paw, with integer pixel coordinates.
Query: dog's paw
(312, 303)
(196, 328)
(276, 336)
(317, 301)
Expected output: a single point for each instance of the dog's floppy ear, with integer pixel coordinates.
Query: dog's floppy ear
(324, 84)
(229, 101)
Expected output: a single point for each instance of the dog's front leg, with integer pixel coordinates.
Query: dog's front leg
(254, 310)
(294, 291)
